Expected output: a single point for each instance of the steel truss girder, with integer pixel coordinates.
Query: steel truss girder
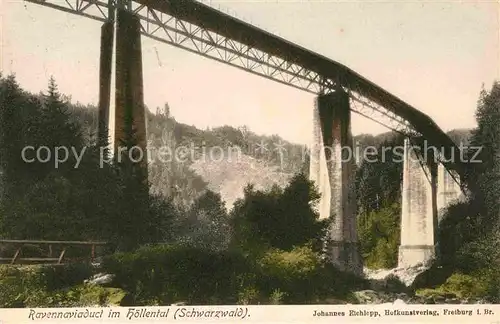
(171, 30)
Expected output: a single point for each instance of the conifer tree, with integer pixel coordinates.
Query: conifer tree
(486, 137)
(208, 222)
(283, 218)
(10, 129)
(132, 229)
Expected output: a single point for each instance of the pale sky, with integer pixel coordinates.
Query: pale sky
(433, 55)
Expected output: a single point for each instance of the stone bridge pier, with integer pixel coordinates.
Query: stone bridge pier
(428, 188)
(332, 169)
(418, 205)
(121, 37)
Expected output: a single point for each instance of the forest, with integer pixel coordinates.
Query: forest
(181, 234)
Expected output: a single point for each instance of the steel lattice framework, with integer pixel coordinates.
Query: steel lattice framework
(196, 39)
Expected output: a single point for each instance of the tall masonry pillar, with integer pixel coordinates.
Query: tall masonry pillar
(105, 72)
(318, 173)
(129, 117)
(418, 210)
(130, 122)
(332, 168)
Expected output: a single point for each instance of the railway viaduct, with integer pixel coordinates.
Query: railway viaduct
(428, 184)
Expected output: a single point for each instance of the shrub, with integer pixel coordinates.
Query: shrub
(12, 291)
(465, 286)
(379, 237)
(481, 253)
(36, 286)
(59, 277)
(248, 296)
(277, 297)
(78, 296)
(94, 295)
(166, 274)
(303, 277)
(484, 284)
(290, 272)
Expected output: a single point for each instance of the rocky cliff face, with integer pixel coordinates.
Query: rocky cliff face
(229, 175)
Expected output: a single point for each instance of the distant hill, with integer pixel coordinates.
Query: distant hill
(461, 135)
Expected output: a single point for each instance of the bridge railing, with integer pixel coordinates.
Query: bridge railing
(48, 252)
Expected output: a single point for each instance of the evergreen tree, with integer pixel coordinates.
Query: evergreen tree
(135, 201)
(278, 218)
(18, 112)
(379, 177)
(378, 182)
(58, 130)
(207, 225)
(11, 98)
(44, 202)
(486, 177)
(469, 228)
(54, 129)
(379, 236)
